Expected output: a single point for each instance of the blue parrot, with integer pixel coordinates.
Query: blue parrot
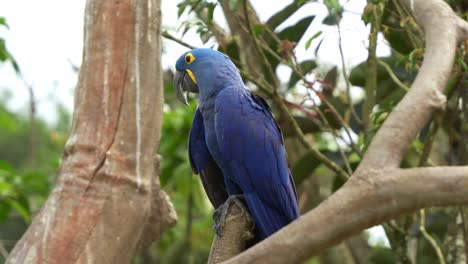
(234, 143)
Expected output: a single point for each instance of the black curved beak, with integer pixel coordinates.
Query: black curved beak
(183, 84)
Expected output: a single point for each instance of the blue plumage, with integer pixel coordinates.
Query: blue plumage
(235, 143)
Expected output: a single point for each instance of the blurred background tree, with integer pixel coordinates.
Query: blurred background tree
(337, 111)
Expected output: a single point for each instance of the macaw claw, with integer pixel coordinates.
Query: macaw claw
(220, 214)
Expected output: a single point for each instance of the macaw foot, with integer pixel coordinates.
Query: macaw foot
(219, 216)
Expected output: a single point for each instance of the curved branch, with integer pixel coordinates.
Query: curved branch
(443, 30)
(361, 203)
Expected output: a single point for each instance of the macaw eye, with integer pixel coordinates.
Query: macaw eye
(189, 58)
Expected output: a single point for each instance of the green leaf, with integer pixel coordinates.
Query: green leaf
(20, 209)
(231, 49)
(6, 167)
(3, 22)
(318, 46)
(181, 8)
(3, 51)
(386, 88)
(333, 6)
(306, 66)
(367, 13)
(34, 182)
(277, 19)
(258, 29)
(304, 167)
(7, 122)
(5, 210)
(211, 8)
(337, 183)
(309, 41)
(6, 189)
(292, 33)
(330, 80)
(307, 125)
(295, 32)
(331, 20)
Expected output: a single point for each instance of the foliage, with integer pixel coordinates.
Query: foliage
(318, 100)
(190, 240)
(5, 55)
(24, 186)
(25, 177)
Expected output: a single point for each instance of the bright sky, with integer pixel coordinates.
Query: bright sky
(46, 38)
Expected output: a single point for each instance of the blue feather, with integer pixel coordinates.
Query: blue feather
(236, 145)
(251, 144)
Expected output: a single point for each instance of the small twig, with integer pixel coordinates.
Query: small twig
(428, 144)
(341, 120)
(260, 82)
(371, 80)
(335, 137)
(422, 162)
(404, 13)
(300, 108)
(166, 34)
(392, 75)
(428, 237)
(3, 250)
(265, 61)
(348, 86)
(316, 153)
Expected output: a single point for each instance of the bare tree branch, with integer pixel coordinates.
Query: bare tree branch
(361, 203)
(442, 30)
(107, 203)
(232, 242)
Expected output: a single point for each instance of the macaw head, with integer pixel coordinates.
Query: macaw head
(203, 71)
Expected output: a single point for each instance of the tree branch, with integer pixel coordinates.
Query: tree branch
(442, 33)
(167, 35)
(238, 230)
(362, 203)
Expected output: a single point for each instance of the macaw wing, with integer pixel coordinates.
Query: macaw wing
(251, 141)
(202, 163)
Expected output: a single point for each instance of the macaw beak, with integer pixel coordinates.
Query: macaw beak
(183, 84)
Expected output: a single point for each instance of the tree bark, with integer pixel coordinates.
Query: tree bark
(232, 241)
(379, 190)
(107, 203)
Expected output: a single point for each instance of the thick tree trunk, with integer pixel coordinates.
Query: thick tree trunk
(107, 202)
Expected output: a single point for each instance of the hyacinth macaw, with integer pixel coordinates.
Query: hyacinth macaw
(234, 143)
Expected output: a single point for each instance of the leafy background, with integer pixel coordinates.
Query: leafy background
(30, 147)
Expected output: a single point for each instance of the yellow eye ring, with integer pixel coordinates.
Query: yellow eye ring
(189, 58)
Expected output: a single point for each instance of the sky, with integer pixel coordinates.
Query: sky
(46, 39)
